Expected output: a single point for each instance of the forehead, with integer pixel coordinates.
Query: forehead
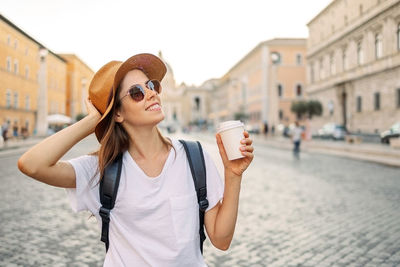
(135, 76)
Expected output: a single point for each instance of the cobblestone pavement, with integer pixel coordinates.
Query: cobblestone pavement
(317, 211)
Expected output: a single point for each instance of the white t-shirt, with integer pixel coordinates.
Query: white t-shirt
(297, 131)
(155, 220)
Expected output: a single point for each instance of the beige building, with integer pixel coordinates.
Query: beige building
(262, 85)
(354, 64)
(19, 81)
(34, 82)
(78, 79)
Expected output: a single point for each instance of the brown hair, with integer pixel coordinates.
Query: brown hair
(116, 140)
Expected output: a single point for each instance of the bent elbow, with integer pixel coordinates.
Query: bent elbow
(24, 167)
(222, 245)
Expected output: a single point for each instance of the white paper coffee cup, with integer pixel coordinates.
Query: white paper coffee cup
(231, 134)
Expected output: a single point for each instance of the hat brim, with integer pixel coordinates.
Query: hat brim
(152, 66)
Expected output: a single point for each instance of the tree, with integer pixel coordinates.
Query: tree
(299, 108)
(311, 108)
(314, 108)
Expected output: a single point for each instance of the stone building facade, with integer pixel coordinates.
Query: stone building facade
(261, 86)
(353, 69)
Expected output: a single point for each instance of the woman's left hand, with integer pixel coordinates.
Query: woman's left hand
(237, 166)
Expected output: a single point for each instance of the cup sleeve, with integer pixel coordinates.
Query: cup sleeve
(85, 196)
(215, 186)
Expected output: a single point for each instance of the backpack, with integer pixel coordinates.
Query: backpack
(108, 188)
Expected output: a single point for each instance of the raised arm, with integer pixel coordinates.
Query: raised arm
(41, 162)
(220, 221)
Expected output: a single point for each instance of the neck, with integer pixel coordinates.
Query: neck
(146, 143)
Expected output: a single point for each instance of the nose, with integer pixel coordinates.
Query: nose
(150, 93)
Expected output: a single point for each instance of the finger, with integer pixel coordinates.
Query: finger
(246, 141)
(248, 155)
(221, 148)
(247, 149)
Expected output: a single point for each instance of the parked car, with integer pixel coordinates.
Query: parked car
(393, 132)
(332, 130)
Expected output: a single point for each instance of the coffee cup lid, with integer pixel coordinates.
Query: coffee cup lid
(226, 125)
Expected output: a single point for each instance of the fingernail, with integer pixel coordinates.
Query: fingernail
(243, 148)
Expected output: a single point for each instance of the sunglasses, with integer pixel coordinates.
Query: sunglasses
(137, 92)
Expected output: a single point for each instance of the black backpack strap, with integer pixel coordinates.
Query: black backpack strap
(194, 153)
(108, 193)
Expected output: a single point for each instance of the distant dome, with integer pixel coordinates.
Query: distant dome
(169, 81)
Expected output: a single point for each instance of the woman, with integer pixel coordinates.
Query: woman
(155, 218)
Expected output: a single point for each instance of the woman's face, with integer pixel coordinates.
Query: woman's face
(146, 112)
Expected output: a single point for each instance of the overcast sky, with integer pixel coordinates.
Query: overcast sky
(199, 39)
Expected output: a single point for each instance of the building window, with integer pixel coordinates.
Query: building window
(8, 64)
(377, 101)
(280, 114)
(345, 60)
(312, 74)
(361, 10)
(299, 59)
(299, 90)
(398, 36)
(398, 98)
(15, 44)
(280, 90)
(332, 64)
(197, 103)
(27, 104)
(27, 72)
(378, 45)
(359, 104)
(8, 98)
(16, 66)
(15, 99)
(330, 107)
(8, 40)
(26, 51)
(321, 68)
(360, 53)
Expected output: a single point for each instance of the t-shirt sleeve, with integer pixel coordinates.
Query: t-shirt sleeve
(85, 196)
(215, 186)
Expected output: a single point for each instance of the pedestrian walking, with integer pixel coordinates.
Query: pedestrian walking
(155, 220)
(296, 138)
(4, 129)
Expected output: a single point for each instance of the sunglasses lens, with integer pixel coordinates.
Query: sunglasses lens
(136, 93)
(154, 85)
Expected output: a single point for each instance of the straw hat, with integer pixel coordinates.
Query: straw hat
(106, 80)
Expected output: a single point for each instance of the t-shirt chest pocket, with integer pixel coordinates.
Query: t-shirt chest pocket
(185, 217)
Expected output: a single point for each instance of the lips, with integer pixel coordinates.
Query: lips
(154, 106)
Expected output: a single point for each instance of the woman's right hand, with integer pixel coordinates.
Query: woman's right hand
(92, 110)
